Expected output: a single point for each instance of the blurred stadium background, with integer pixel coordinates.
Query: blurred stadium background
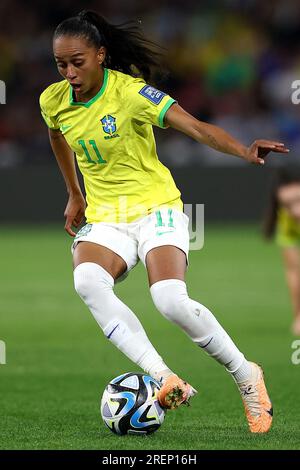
(232, 63)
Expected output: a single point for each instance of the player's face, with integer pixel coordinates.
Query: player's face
(289, 198)
(78, 62)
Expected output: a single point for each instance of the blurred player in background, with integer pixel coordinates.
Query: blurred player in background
(104, 114)
(283, 222)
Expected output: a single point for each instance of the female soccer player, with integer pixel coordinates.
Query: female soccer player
(283, 221)
(104, 114)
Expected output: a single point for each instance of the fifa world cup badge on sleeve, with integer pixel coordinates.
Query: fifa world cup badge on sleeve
(152, 94)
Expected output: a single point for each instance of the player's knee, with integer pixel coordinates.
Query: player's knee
(89, 278)
(170, 299)
(83, 286)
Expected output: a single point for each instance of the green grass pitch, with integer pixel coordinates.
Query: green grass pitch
(58, 361)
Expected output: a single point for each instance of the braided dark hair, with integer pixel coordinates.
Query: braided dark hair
(127, 50)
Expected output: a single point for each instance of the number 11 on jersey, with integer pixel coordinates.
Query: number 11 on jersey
(95, 149)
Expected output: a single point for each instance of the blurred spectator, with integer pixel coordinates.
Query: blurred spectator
(282, 222)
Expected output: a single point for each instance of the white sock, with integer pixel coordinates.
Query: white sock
(119, 324)
(171, 299)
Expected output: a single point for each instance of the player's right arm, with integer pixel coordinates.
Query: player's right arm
(75, 208)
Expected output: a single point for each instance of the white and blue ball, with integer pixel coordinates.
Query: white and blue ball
(129, 405)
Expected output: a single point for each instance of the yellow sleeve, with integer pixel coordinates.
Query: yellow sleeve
(287, 230)
(48, 115)
(145, 103)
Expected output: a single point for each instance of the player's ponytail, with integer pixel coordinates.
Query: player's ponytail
(127, 50)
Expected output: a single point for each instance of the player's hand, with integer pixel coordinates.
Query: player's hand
(74, 212)
(257, 151)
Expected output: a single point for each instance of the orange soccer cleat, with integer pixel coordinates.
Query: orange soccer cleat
(257, 404)
(175, 392)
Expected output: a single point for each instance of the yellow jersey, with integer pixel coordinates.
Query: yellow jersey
(112, 137)
(287, 229)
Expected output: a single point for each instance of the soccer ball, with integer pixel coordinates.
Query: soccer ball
(129, 405)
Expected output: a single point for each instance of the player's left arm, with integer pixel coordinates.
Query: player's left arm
(219, 139)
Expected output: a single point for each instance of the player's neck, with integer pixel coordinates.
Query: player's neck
(85, 97)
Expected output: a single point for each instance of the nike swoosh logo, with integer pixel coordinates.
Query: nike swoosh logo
(162, 233)
(270, 411)
(112, 331)
(205, 345)
(64, 127)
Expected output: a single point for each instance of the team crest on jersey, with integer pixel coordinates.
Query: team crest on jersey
(109, 126)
